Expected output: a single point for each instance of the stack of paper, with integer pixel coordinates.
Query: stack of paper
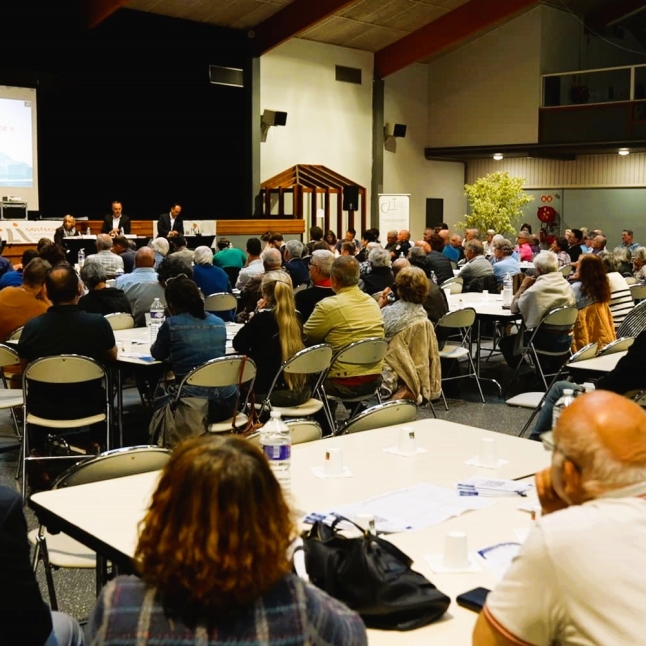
(483, 486)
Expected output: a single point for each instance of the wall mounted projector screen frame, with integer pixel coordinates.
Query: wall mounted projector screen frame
(19, 144)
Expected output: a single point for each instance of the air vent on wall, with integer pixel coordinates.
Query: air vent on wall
(231, 76)
(348, 74)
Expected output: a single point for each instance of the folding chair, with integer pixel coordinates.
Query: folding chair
(620, 345)
(220, 302)
(561, 319)
(566, 270)
(535, 400)
(312, 361)
(120, 321)
(461, 323)
(61, 551)
(638, 292)
(455, 284)
(304, 430)
(10, 398)
(61, 369)
(634, 323)
(367, 352)
(398, 411)
(15, 335)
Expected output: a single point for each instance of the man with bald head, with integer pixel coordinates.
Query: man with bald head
(141, 287)
(403, 245)
(449, 251)
(579, 577)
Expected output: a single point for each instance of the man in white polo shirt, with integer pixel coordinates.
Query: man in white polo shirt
(579, 578)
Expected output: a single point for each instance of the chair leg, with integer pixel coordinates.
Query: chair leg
(23, 456)
(475, 374)
(430, 405)
(446, 406)
(48, 573)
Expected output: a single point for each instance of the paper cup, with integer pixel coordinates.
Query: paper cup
(333, 462)
(456, 554)
(488, 452)
(407, 443)
(366, 522)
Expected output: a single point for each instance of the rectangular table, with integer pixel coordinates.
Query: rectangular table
(110, 527)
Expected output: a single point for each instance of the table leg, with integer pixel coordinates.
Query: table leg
(478, 356)
(120, 404)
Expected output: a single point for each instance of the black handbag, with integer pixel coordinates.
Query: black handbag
(373, 577)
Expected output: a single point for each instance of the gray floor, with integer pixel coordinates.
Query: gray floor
(75, 588)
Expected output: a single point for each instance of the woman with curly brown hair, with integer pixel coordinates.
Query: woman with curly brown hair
(592, 285)
(213, 561)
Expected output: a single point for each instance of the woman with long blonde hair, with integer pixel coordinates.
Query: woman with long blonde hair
(272, 336)
(213, 561)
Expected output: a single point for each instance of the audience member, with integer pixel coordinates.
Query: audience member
(251, 293)
(53, 254)
(524, 240)
(316, 235)
(627, 241)
(471, 234)
(273, 335)
(121, 246)
(621, 300)
(344, 318)
(560, 248)
(254, 266)
(591, 285)
(228, 255)
(26, 618)
(349, 237)
(364, 266)
(14, 278)
(536, 297)
(161, 247)
(367, 237)
(348, 249)
(276, 241)
(456, 244)
(181, 251)
(488, 243)
(330, 239)
(66, 230)
(625, 259)
(197, 584)
(141, 287)
(639, 264)
(598, 244)
(295, 264)
(574, 238)
(190, 337)
(417, 258)
(21, 304)
(391, 241)
(210, 279)
(594, 511)
(381, 275)
(449, 251)
(319, 269)
(476, 266)
(100, 298)
(504, 262)
(526, 227)
(436, 259)
(112, 263)
(66, 329)
(403, 245)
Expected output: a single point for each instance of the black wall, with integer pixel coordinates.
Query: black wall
(126, 111)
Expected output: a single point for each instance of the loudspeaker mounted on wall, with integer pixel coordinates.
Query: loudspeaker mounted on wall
(392, 132)
(271, 118)
(350, 198)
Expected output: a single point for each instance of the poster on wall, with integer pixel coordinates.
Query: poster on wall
(394, 212)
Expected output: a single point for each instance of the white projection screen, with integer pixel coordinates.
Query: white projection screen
(19, 144)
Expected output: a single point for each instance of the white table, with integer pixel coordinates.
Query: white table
(111, 527)
(598, 364)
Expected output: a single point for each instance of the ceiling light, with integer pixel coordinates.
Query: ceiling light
(498, 157)
(624, 151)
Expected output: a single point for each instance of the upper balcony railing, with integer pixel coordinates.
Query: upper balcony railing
(594, 87)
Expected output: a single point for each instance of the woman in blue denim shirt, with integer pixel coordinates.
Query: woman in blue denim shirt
(190, 337)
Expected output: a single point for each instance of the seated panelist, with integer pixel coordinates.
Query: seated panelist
(116, 223)
(67, 230)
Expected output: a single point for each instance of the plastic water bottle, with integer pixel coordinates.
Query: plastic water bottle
(81, 258)
(88, 231)
(156, 319)
(433, 277)
(276, 443)
(507, 289)
(565, 400)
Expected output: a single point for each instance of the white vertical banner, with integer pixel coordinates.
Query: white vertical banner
(394, 212)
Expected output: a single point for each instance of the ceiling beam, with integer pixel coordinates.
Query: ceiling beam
(450, 30)
(613, 13)
(292, 20)
(96, 11)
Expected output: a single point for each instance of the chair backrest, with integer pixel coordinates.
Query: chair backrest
(114, 464)
(620, 345)
(367, 351)
(399, 411)
(64, 369)
(8, 356)
(566, 270)
(220, 372)
(634, 323)
(587, 352)
(120, 321)
(631, 280)
(15, 335)
(458, 319)
(638, 291)
(304, 430)
(560, 317)
(310, 360)
(453, 286)
(221, 302)
(450, 281)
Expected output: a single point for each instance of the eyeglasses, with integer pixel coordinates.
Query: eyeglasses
(547, 439)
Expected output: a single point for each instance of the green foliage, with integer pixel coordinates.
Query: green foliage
(495, 201)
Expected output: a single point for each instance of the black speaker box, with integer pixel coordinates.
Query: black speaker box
(350, 198)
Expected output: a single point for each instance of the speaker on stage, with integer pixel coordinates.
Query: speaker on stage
(350, 198)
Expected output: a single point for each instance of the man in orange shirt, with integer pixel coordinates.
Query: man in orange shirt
(21, 304)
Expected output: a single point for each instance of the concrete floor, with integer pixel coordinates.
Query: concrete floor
(75, 588)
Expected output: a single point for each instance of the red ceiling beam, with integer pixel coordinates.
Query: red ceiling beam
(96, 11)
(450, 30)
(292, 20)
(613, 13)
